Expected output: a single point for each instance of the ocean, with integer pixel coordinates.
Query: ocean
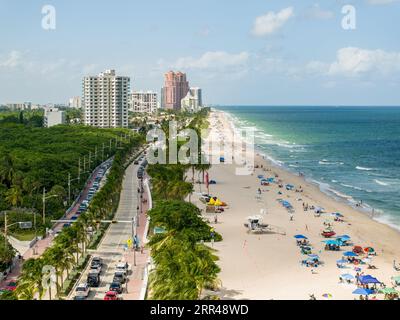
(352, 153)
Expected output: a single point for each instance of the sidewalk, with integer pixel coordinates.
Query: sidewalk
(136, 280)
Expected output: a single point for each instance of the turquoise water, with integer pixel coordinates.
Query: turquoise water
(353, 153)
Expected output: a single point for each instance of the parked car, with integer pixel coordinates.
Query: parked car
(82, 290)
(120, 276)
(117, 287)
(97, 260)
(66, 225)
(111, 295)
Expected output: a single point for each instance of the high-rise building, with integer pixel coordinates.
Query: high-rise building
(53, 117)
(75, 102)
(175, 89)
(105, 100)
(143, 102)
(193, 100)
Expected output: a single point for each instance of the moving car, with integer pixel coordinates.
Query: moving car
(111, 295)
(122, 266)
(82, 290)
(120, 276)
(93, 278)
(117, 287)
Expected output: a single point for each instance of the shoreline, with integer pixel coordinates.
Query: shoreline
(265, 266)
(372, 213)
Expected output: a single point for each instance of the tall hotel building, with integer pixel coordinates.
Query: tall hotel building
(105, 100)
(175, 89)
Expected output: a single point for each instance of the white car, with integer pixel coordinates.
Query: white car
(123, 267)
(82, 290)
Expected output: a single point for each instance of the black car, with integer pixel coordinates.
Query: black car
(93, 280)
(119, 277)
(116, 286)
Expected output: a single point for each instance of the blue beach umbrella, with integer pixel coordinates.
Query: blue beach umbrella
(344, 237)
(300, 236)
(313, 256)
(363, 292)
(347, 276)
(333, 242)
(350, 254)
(341, 261)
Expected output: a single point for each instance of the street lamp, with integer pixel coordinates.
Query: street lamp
(44, 204)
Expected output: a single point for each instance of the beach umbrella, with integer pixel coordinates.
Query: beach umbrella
(341, 261)
(388, 291)
(350, 254)
(337, 214)
(369, 250)
(344, 237)
(396, 278)
(368, 279)
(333, 242)
(260, 176)
(327, 296)
(357, 269)
(313, 256)
(347, 276)
(363, 292)
(300, 236)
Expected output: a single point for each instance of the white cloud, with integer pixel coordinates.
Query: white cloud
(352, 61)
(12, 60)
(316, 12)
(382, 2)
(271, 22)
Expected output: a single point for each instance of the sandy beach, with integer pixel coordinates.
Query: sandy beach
(268, 265)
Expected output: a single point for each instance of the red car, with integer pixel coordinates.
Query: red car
(111, 295)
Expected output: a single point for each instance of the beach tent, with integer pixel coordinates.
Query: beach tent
(300, 236)
(349, 254)
(368, 279)
(363, 292)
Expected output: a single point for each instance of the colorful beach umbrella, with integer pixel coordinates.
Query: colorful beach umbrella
(300, 236)
(369, 250)
(363, 292)
(327, 296)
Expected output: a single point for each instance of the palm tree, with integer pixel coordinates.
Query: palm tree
(7, 170)
(30, 280)
(14, 196)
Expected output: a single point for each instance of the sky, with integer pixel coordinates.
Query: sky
(240, 52)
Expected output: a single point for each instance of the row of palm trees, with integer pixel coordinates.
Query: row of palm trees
(184, 265)
(71, 245)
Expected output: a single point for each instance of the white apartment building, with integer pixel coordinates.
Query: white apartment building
(75, 102)
(105, 100)
(193, 101)
(143, 102)
(53, 117)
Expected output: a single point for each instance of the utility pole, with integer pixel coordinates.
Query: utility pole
(79, 170)
(44, 206)
(69, 188)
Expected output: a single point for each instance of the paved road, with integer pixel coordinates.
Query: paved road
(38, 249)
(112, 248)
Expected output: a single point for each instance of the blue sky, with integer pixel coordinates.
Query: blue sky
(254, 52)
